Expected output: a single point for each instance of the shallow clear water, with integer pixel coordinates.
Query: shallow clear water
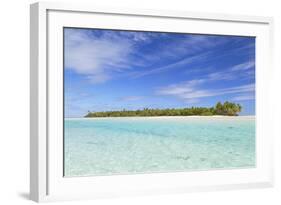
(103, 146)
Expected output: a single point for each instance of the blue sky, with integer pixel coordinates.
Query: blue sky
(115, 70)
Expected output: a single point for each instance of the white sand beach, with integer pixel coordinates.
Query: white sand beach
(192, 117)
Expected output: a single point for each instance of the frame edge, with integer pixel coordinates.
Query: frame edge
(95, 8)
(34, 178)
(38, 103)
(38, 38)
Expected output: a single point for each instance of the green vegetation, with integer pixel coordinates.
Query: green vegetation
(227, 108)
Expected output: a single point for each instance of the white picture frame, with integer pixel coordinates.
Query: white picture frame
(46, 179)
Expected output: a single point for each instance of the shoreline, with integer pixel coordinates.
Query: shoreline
(167, 117)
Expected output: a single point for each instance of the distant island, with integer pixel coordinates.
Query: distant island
(226, 109)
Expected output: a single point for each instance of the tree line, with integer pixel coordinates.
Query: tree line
(226, 108)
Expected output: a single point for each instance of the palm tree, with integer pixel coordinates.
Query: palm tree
(227, 108)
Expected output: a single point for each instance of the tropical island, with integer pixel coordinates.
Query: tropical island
(225, 109)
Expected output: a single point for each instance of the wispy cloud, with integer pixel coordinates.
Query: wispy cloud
(190, 90)
(221, 75)
(95, 57)
(184, 62)
(130, 98)
(139, 36)
(234, 71)
(244, 97)
(101, 55)
(190, 49)
(244, 66)
(197, 50)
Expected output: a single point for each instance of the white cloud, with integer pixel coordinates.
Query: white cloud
(179, 89)
(95, 57)
(190, 90)
(243, 66)
(223, 75)
(131, 98)
(182, 53)
(233, 72)
(140, 36)
(249, 96)
(102, 56)
(184, 62)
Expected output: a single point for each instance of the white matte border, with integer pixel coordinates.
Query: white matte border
(57, 187)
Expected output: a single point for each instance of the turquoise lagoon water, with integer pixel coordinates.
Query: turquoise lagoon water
(104, 146)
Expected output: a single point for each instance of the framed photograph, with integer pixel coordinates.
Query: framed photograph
(130, 102)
